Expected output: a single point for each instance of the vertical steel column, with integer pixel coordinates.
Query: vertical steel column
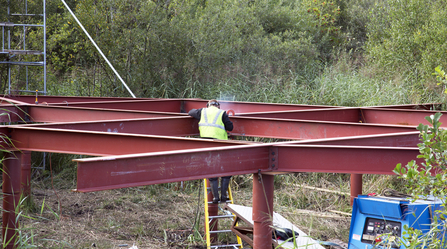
(26, 173)
(356, 186)
(213, 209)
(11, 196)
(262, 211)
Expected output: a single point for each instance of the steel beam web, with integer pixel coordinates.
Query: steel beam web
(154, 168)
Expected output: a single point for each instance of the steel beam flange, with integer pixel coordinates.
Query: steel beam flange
(273, 158)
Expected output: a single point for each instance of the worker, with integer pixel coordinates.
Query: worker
(214, 124)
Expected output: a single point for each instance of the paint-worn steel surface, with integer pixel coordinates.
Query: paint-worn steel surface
(401, 139)
(342, 159)
(121, 126)
(155, 168)
(150, 141)
(400, 117)
(102, 143)
(76, 114)
(308, 129)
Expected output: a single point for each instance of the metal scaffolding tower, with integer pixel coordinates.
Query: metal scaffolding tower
(24, 46)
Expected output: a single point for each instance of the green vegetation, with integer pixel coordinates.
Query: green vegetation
(310, 51)
(428, 178)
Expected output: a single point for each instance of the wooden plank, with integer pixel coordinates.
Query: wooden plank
(245, 214)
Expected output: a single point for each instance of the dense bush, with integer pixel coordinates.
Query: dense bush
(266, 50)
(162, 49)
(408, 38)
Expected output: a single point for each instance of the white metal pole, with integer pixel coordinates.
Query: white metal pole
(99, 50)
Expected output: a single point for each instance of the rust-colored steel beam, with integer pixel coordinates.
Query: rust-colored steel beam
(244, 126)
(380, 115)
(35, 138)
(71, 114)
(356, 186)
(166, 126)
(154, 168)
(302, 129)
(249, 107)
(25, 173)
(428, 106)
(177, 104)
(341, 114)
(12, 113)
(342, 159)
(185, 105)
(30, 99)
(95, 174)
(102, 143)
(399, 117)
(11, 197)
(6, 101)
(158, 105)
(403, 139)
(262, 210)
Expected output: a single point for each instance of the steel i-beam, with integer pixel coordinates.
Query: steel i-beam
(11, 197)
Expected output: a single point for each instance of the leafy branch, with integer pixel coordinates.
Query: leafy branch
(441, 77)
(428, 178)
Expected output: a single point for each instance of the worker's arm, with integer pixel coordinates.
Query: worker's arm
(196, 113)
(227, 122)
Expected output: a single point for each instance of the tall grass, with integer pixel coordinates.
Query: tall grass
(347, 82)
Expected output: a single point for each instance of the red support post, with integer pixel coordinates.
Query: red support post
(262, 211)
(26, 173)
(11, 196)
(356, 186)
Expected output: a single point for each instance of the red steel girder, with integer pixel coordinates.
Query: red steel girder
(31, 99)
(342, 159)
(403, 139)
(96, 174)
(102, 143)
(399, 117)
(244, 126)
(173, 105)
(302, 129)
(166, 126)
(12, 113)
(349, 114)
(341, 114)
(158, 105)
(249, 107)
(428, 106)
(153, 168)
(70, 114)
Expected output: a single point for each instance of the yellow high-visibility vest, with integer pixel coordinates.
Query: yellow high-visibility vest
(211, 124)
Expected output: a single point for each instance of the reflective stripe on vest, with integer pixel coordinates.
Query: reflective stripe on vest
(211, 124)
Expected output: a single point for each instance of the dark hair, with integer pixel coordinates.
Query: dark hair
(213, 102)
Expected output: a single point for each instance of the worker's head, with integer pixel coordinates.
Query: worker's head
(213, 102)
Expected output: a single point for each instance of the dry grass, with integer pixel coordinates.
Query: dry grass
(149, 217)
(163, 216)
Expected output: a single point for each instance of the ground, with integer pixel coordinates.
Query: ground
(164, 216)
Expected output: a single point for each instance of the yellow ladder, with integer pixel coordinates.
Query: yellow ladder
(209, 219)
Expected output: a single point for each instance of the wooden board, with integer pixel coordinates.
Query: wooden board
(245, 213)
